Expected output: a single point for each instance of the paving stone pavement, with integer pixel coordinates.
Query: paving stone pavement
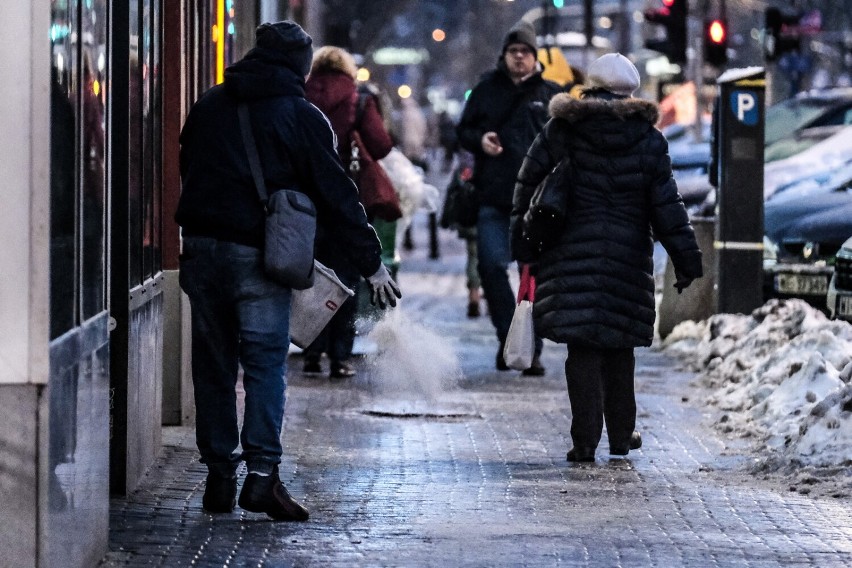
(479, 477)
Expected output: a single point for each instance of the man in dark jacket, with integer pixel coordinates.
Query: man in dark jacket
(595, 285)
(240, 317)
(502, 117)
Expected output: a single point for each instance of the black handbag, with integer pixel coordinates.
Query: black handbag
(291, 222)
(461, 205)
(544, 221)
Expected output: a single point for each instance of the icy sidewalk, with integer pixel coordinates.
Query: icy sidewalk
(474, 473)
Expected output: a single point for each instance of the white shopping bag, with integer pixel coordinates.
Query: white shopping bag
(520, 343)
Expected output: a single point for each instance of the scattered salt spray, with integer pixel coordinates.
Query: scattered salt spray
(412, 363)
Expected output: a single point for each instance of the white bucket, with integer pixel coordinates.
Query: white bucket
(313, 308)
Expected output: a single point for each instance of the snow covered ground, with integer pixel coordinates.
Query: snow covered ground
(780, 376)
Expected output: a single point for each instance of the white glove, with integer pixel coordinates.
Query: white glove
(383, 288)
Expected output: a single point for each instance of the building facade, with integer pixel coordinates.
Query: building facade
(94, 339)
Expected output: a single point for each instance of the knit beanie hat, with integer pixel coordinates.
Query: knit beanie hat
(614, 73)
(288, 39)
(522, 32)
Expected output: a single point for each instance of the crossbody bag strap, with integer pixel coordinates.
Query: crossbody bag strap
(355, 151)
(251, 150)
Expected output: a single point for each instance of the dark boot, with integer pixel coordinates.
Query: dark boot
(312, 365)
(220, 494)
(622, 449)
(341, 370)
(535, 370)
(266, 494)
(473, 309)
(581, 454)
(501, 362)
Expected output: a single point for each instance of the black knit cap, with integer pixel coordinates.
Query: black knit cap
(522, 32)
(289, 39)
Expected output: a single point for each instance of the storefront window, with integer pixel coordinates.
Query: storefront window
(94, 85)
(78, 167)
(145, 188)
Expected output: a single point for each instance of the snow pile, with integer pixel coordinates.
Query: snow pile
(781, 374)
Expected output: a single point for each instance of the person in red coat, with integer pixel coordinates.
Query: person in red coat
(331, 87)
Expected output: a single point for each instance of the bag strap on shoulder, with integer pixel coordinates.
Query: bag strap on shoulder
(251, 150)
(359, 109)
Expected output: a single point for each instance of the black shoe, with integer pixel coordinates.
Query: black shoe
(535, 370)
(501, 362)
(622, 450)
(341, 370)
(266, 494)
(312, 366)
(581, 454)
(473, 309)
(635, 441)
(220, 494)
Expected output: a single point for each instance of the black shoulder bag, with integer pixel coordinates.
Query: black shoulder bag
(544, 221)
(291, 222)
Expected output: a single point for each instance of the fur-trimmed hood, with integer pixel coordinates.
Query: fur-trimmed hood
(573, 110)
(605, 124)
(331, 58)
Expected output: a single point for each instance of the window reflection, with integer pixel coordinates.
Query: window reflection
(93, 86)
(63, 121)
(145, 198)
(135, 148)
(78, 171)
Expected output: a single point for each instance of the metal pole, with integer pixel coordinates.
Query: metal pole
(624, 26)
(589, 30)
(695, 68)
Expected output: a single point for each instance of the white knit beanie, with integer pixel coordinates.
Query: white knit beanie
(614, 73)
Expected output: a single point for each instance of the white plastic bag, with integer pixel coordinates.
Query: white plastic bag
(520, 343)
(409, 182)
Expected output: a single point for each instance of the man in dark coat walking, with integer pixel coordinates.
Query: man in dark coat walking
(595, 285)
(240, 317)
(502, 117)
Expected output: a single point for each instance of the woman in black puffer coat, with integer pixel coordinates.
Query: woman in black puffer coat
(595, 285)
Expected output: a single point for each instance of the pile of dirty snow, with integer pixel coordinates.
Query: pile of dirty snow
(780, 375)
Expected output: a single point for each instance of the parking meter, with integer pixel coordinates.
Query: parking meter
(739, 202)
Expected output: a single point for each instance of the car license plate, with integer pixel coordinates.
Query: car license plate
(844, 306)
(807, 284)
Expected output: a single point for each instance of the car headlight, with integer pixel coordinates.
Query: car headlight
(770, 252)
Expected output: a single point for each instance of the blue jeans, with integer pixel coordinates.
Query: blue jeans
(495, 253)
(239, 317)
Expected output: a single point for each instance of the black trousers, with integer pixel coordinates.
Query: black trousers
(600, 387)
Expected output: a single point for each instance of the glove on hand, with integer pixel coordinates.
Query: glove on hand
(681, 282)
(383, 288)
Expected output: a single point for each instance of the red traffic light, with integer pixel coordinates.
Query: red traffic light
(716, 31)
(670, 37)
(716, 42)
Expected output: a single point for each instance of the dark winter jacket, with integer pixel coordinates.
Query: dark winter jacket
(296, 147)
(517, 114)
(335, 94)
(595, 287)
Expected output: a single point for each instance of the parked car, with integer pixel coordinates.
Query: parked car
(815, 168)
(839, 297)
(797, 123)
(802, 238)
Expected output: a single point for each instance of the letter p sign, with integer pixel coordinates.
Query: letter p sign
(744, 106)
